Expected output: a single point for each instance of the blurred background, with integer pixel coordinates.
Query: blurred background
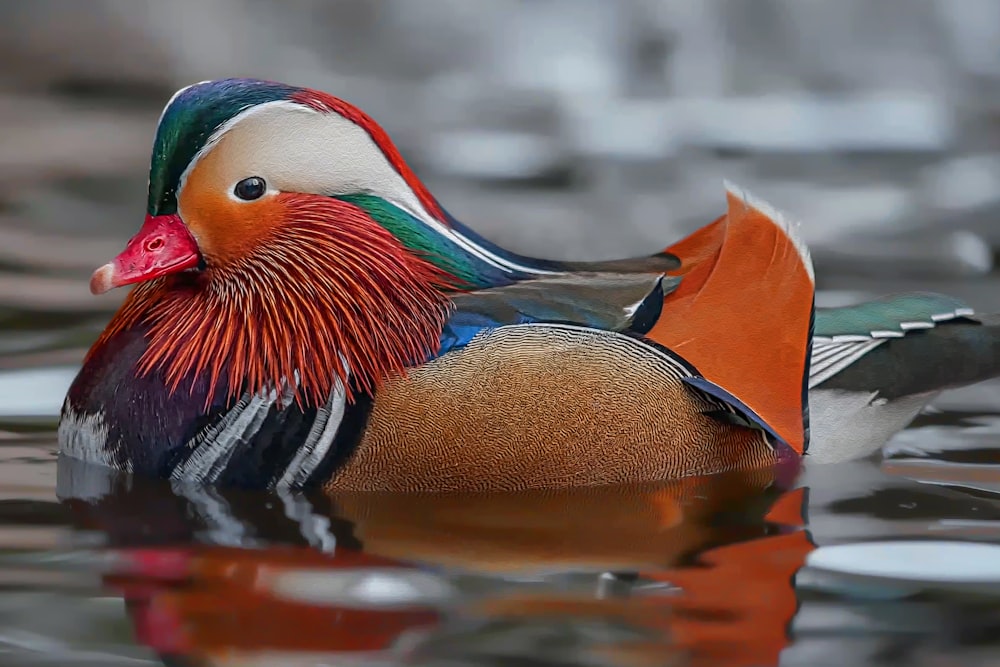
(568, 128)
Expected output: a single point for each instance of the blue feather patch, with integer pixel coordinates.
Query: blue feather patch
(463, 326)
(607, 302)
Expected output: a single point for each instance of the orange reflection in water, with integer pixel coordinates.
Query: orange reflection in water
(736, 607)
(731, 543)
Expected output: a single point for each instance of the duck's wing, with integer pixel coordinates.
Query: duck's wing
(905, 344)
(845, 335)
(605, 301)
(743, 313)
(889, 316)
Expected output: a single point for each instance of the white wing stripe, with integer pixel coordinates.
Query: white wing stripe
(835, 357)
(312, 452)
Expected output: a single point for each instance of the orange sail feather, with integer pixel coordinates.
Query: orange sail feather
(743, 316)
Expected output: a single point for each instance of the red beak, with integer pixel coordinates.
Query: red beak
(163, 245)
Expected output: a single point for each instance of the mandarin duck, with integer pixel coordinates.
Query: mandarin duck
(305, 313)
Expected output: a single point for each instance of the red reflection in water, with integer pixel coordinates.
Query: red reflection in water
(736, 578)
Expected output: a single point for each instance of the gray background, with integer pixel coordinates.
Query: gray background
(567, 128)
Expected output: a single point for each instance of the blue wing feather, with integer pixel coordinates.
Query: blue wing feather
(612, 302)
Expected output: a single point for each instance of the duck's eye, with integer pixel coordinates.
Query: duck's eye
(250, 188)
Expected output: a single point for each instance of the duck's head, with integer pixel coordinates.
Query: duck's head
(237, 162)
(283, 221)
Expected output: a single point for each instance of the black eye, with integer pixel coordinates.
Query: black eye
(250, 188)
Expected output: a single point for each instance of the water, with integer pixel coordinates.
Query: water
(865, 562)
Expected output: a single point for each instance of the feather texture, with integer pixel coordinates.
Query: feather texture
(845, 335)
(743, 312)
(332, 287)
(546, 405)
(614, 302)
(889, 316)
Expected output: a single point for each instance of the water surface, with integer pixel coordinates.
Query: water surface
(840, 565)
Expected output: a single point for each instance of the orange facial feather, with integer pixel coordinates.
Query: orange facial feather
(326, 294)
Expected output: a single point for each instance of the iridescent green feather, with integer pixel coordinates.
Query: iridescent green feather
(187, 124)
(419, 238)
(896, 313)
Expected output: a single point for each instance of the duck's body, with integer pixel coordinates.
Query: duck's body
(875, 365)
(307, 314)
(551, 405)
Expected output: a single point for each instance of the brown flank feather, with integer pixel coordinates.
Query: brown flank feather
(327, 292)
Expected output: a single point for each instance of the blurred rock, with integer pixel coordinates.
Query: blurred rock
(846, 123)
(45, 138)
(48, 43)
(493, 155)
(959, 254)
(43, 295)
(32, 250)
(967, 183)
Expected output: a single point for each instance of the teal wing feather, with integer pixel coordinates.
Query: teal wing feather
(890, 316)
(606, 301)
(959, 352)
(845, 335)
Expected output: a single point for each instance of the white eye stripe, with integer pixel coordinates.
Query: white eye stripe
(296, 148)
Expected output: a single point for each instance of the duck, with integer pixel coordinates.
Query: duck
(303, 312)
(875, 365)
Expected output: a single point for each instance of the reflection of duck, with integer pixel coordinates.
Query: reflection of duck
(198, 602)
(731, 607)
(736, 607)
(191, 593)
(306, 313)
(596, 529)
